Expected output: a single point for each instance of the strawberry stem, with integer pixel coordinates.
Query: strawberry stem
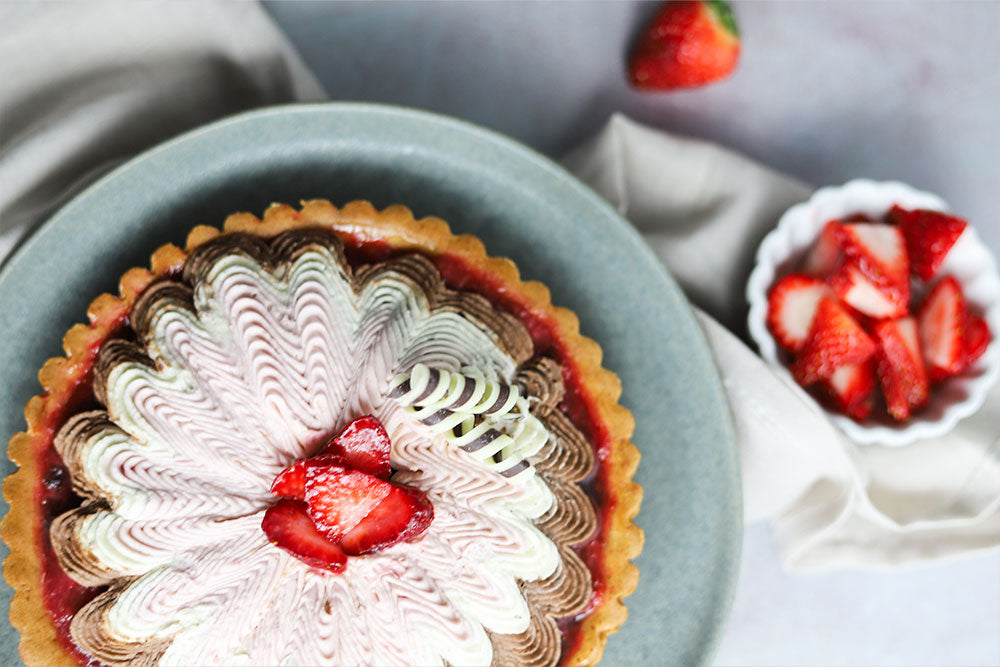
(724, 15)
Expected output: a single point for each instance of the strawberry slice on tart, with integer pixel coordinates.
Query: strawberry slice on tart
(291, 482)
(364, 445)
(344, 495)
(339, 499)
(362, 512)
(402, 516)
(288, 526)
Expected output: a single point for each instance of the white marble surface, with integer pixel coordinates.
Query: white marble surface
(944, 614)
(825, 91)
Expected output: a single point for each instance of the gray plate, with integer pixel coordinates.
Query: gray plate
(522, 206)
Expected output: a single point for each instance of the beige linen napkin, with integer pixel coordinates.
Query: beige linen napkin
(85, 85)
(831, 503)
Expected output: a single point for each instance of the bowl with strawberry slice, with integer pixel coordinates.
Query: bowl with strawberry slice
(883, 305)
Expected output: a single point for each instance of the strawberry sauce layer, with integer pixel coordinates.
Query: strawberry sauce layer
(54, 494)
(63, 597)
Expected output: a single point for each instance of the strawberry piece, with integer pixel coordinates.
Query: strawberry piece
(791, 305)
(929, 236)
(825, 252)
(977, 338)
(852, 388)
(340, 502)
(901, 367)
(878, 251)
(288, 526)
(403, 515)
(686, 45)
(365, 446)
(856, 290)
(835, 339)
(291, 482)
(942, 319)
(339, 499)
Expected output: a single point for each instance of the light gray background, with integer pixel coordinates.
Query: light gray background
(824, 91)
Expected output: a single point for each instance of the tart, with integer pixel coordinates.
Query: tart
(135, 525)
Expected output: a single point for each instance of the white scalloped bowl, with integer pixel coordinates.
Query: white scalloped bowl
(969, 261)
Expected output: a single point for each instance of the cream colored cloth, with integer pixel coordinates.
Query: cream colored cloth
(831, 503)
(85, 85)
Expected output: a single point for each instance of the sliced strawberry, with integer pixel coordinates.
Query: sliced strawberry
(835, 339)
(825, 252)
(878, 251)
(791, 305)
(977, 338)
(339, 499)
(339, 495)
(288, 526)
(291, 482)
(929, 236)
(942, 319)
(852, 388)
(901, 366)
(365, 446)
(855, 289)
(403, 515)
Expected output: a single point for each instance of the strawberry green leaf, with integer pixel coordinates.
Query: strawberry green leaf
(724, 15)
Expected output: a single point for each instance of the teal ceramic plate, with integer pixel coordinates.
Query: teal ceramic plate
(522, 206)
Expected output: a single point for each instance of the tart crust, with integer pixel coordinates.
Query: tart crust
(359, 222)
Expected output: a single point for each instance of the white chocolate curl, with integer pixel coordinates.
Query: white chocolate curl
(469, 411)
(434, 389)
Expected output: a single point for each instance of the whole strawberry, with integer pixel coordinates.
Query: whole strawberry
(686, 45)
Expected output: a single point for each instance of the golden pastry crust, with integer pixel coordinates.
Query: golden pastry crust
(396, 228)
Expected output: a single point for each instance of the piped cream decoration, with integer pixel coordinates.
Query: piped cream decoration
(472, 413)
(567, 460)
(252, 375)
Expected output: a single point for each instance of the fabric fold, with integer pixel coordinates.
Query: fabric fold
(88, 85)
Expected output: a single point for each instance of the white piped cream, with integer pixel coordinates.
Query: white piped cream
(269, 368)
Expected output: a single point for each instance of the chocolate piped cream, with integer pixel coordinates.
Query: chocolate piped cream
(78, 561)
(245, 365)
(91, 631)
